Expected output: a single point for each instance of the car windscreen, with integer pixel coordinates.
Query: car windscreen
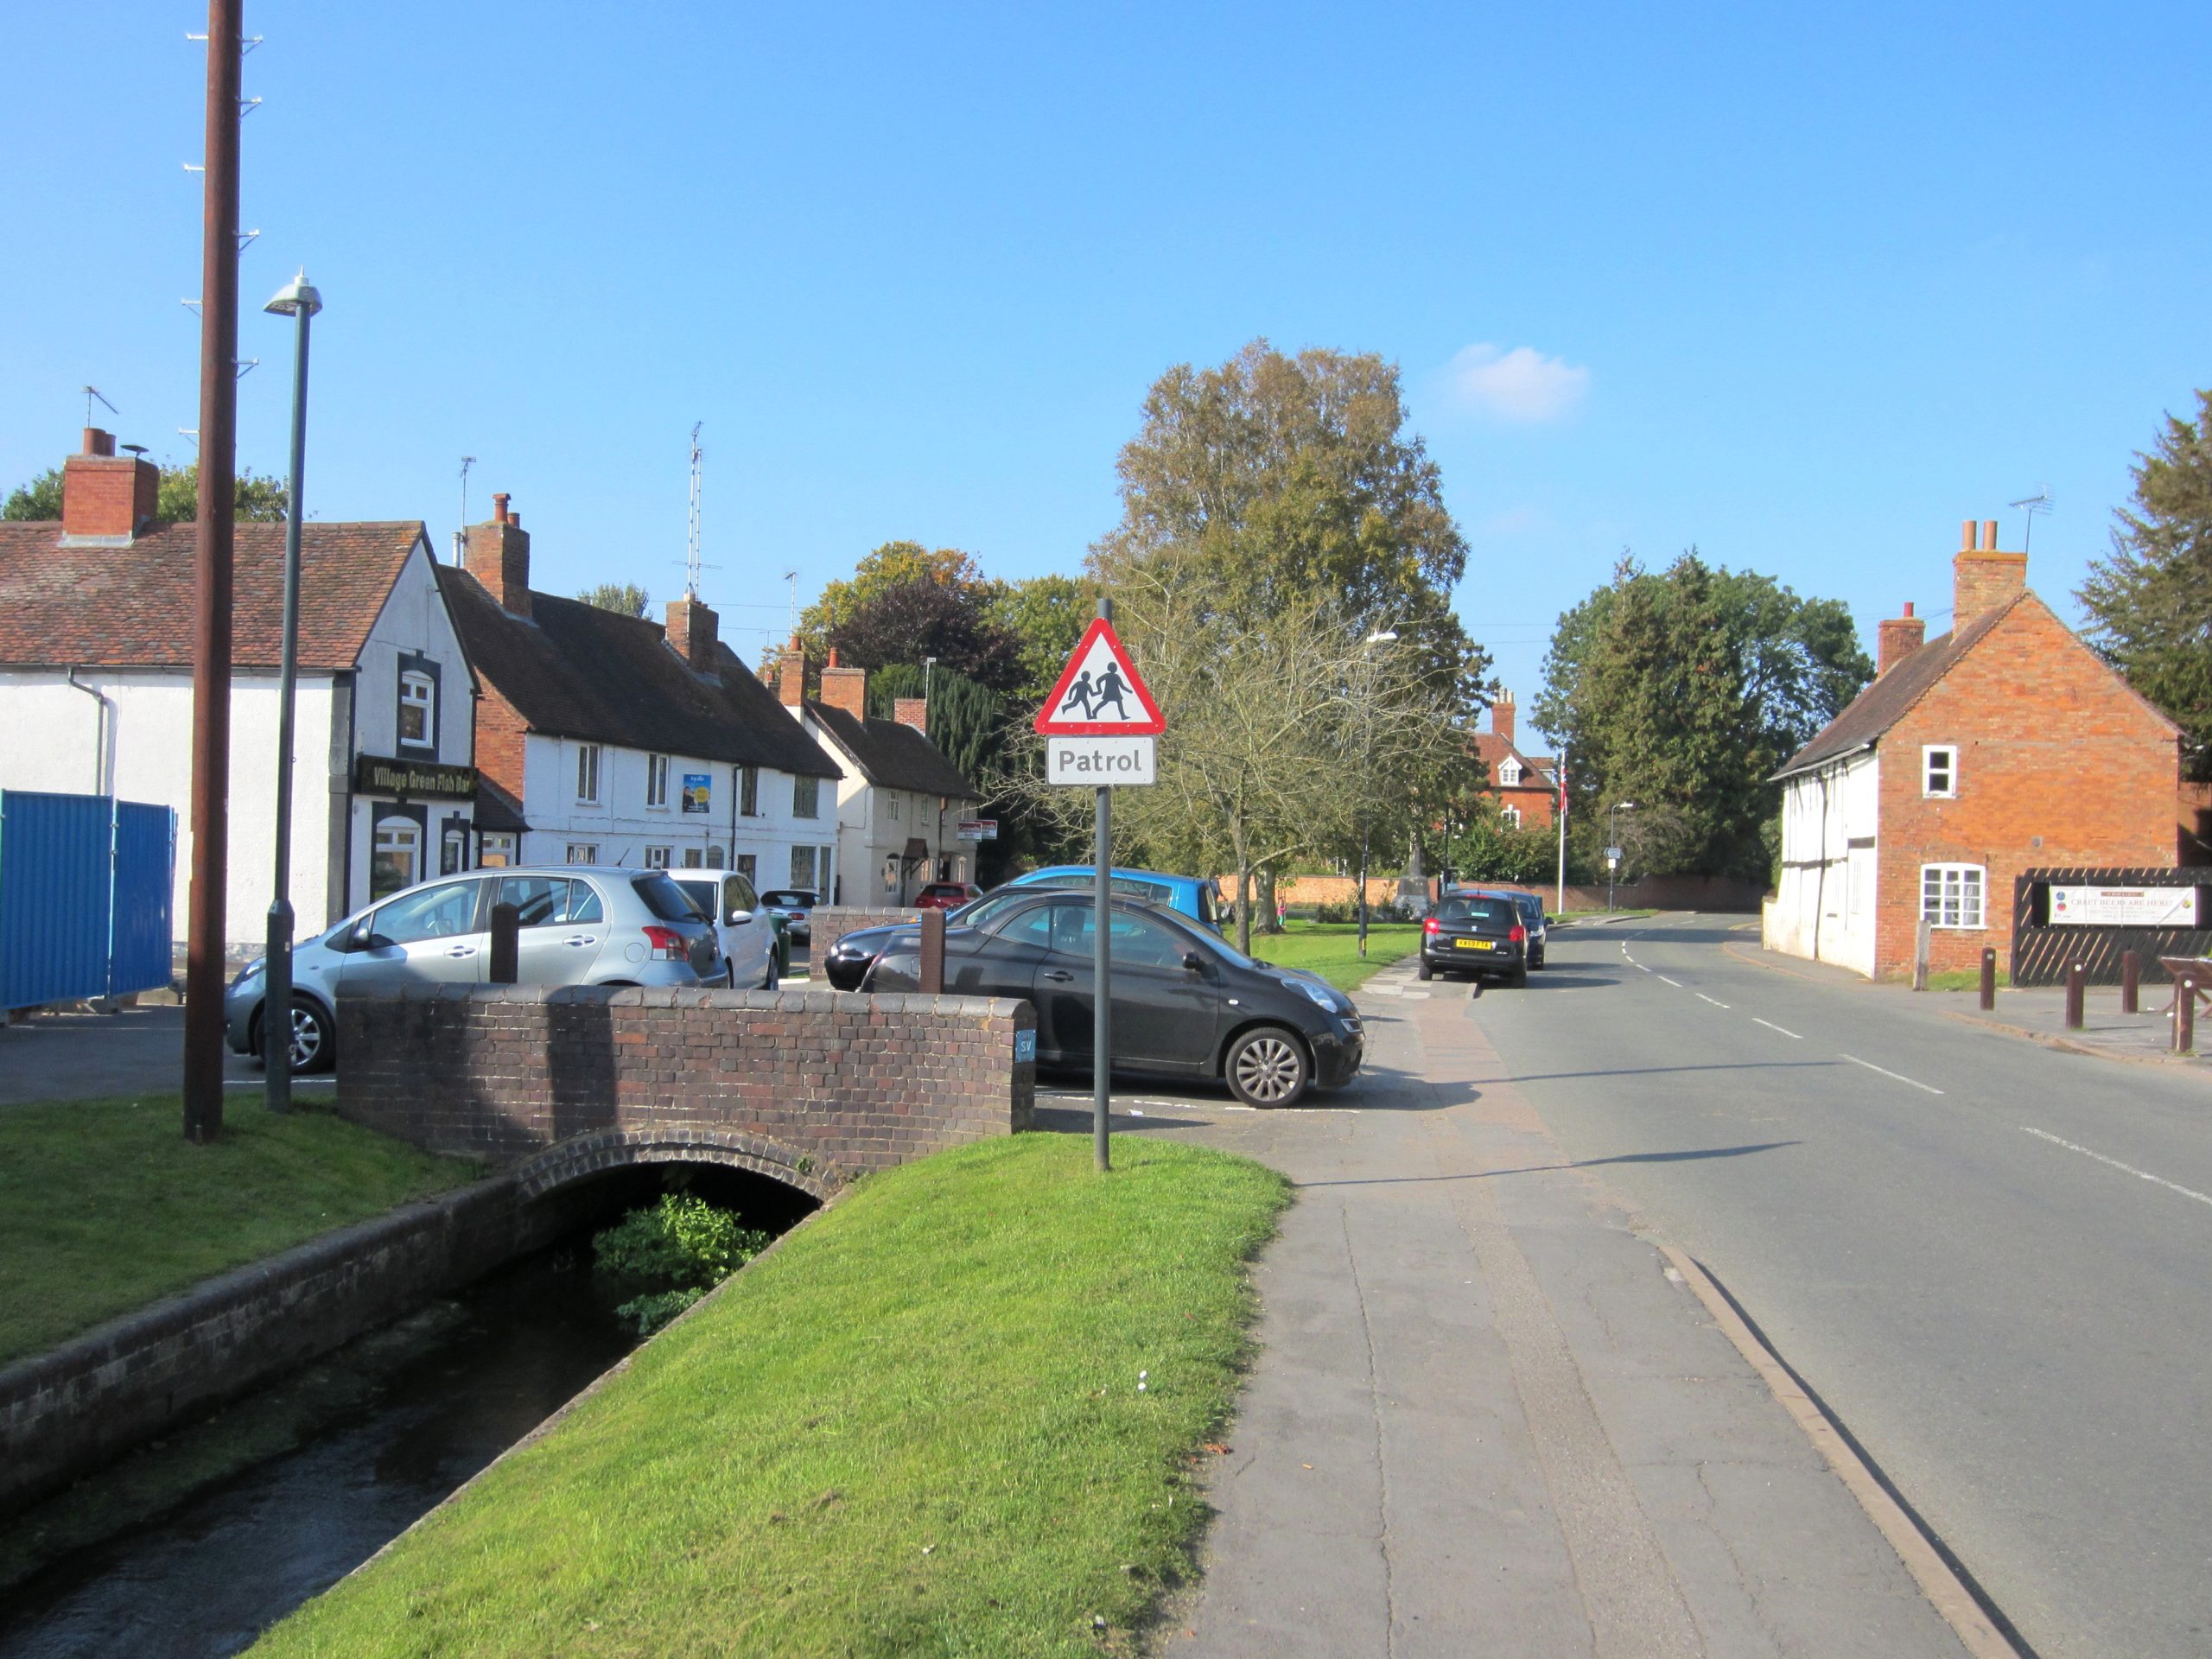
(789, 899)
(701, 894)
(666, 899)
(1478, 913)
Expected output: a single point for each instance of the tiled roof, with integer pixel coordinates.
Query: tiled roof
(1495, 751)
(132, 607)
(893, 755)
(496, 809)
(1886, 702)
(573, 669)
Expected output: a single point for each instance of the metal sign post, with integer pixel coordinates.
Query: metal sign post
(1084, 746)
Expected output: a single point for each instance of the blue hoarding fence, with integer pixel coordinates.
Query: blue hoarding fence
(85, 887)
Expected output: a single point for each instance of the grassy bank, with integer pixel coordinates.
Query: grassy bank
(1331, 948)
(104, 1207)
(915, 1427)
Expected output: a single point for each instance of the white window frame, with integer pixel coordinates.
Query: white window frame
(657, 858)
(582, 852)
(1958, 891)
(1949, 752)
(496, 849)
(1511, 814)
(588, 774)
(1509, 773)
(894, 799)
(414, 680)
(656, 782)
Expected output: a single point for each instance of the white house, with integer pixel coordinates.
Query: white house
(899, 799)
(1824, 905)
(95, 689)
(612, 740)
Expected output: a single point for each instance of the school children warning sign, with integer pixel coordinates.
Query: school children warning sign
(1099, 694)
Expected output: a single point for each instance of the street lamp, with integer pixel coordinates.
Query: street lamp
(1612, 859)
(297, 298)
(1380, 636)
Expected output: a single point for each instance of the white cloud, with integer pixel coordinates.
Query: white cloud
(1521, 385)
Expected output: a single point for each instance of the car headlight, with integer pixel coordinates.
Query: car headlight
(1320, 993)
(250, 972)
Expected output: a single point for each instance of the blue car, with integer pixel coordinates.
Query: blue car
(1186, 895)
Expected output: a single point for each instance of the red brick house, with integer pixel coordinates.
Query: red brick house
(2004, 745)
(1525, 786)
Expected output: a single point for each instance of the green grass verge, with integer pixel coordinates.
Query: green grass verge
(104, 1207)
(913, 1428)
(1962, 979)
(1331, 948)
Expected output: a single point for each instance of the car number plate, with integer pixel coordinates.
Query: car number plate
(1474, 945)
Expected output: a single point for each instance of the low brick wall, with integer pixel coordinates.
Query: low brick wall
(811, 1086)
(77, 1407)
(831, 923)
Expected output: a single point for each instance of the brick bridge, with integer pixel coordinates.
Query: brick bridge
(808, 1088)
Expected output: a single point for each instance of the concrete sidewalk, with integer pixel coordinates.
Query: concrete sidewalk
(2040, 1013)
(1488, 1416)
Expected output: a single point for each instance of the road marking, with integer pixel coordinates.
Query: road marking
(2129, 1169)
(1676, 983)
(1897, 1077)
(1770, 1025)
(1702, 997)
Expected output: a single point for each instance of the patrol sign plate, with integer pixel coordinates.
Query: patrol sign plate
(1096, 762)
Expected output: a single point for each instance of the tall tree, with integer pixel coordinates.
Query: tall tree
(261, 499)
(2150, 603)
(625, 598)
(1045, 616)
(912, 621)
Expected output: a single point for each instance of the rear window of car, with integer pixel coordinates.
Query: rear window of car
(1477, 911)
(788, 898)
(701, 894)
(665, 899)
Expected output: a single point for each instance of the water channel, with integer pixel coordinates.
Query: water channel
(204, 1579)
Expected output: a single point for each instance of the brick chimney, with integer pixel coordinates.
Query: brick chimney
(106, 497)
(1982, 578)
(498, 556)
(845, 688)
(911, 711)
(692, 628)
(1502, 714)
(791, 678)
(1897, 639)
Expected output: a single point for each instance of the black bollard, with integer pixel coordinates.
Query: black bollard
(2076, 979)
(2185, 1017)
(2130, 974)
(506, 946)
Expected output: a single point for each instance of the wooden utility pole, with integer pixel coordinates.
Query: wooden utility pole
(206, 928)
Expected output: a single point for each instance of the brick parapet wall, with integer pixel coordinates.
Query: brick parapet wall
(827, 924)
(826, 1084)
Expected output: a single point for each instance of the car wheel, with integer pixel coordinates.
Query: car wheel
(314, 1047)
(768, 979)
(1267, 1067)
(1424, 972)
(1518, 979)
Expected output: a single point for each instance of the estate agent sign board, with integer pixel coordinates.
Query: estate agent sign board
(2123, 906)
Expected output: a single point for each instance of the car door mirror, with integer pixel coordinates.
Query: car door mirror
(737, 917)
(364, 936)
(1195, 962)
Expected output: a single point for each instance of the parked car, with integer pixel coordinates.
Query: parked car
(1194, 898)
(1533, 919)
(795, 905)
(581, 925)
(1479, 934)
(947, 895)
(749, 933)
(846, 963)
(1186, 1003)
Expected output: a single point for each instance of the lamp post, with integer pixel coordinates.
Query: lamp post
(1380, 636)
(1612, 861)
(296, 299)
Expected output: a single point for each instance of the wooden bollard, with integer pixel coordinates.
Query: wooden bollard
(932, 974)
(2131, 975)
(1988, 980)
(2077, 978)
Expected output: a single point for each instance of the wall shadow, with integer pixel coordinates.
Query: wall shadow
(1690, 1155)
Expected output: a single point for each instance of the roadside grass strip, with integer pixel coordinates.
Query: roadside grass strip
(104, 1207)
(1331, 948)
(914, 1427)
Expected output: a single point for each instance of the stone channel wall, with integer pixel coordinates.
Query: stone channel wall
(810, 1085)
(69, 1410)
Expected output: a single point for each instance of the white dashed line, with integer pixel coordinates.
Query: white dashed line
(2126, 1169)
(1702, 997)
(1676, 983)
(1893, 1075)
(1770, 1025)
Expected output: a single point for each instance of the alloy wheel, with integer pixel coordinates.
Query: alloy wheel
(307, 1038)
(1269, 1070)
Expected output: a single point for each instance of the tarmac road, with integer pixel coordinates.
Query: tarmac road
(1992, 1262)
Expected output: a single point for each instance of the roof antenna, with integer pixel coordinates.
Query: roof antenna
(466, 462)
(791, 576)
(91, 393)
(2041, 501)
(691, 559)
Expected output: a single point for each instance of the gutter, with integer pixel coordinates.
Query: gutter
(99, 735)
(1825, 760)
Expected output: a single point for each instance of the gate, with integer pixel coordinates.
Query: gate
(85, 886)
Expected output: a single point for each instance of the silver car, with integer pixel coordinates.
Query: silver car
(748, 932)
(581, 925)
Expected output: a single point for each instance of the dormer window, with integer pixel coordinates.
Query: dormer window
(1509, 772)
(419, 709)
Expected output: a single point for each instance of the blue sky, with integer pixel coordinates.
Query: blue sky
(1804, 289)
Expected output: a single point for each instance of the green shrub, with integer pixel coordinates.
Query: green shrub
(671, 1256)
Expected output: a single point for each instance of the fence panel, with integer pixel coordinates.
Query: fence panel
(145, 880)
(84, 886)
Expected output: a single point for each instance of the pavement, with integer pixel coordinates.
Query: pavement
(103, 1056)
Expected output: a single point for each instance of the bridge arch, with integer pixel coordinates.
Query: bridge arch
(586, 1155)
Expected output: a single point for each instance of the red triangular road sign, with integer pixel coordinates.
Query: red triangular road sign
(1099, 694)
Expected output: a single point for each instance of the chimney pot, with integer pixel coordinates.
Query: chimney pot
(499, 509)
(98, 442)
(1989, 535)
(1908, 607)
(1965, 537)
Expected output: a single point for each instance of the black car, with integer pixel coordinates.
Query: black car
(1479, 934)
(1533, 919)
(1185, 1003)
(849, 960)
